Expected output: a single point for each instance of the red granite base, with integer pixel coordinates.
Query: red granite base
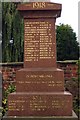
(40, 80)
(73, 117)
(40, 104)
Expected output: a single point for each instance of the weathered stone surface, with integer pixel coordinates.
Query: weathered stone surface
(39, 33)
(40, 104)
(39, 43)
(40, 80)
(40, 6)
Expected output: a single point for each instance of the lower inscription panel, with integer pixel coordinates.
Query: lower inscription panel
(40, 104)
(40, 80)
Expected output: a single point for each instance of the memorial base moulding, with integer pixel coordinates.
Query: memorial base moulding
(73, 117)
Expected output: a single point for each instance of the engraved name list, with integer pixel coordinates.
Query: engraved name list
(38, 40)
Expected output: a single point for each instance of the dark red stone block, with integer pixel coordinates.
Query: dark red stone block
(39, 33)
(40, 104)
(39, 80)
(39, 43)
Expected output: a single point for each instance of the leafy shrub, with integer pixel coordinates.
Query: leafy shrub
(10, 89)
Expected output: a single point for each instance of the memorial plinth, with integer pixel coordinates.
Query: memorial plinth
(40, 85)
(40, 104)
(40, 80)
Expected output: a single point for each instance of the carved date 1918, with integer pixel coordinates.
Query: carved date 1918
(39, 5)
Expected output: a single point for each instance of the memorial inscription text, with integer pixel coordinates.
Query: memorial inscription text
(43, 79)
(39, 5)
(38, 103)
(38, 40)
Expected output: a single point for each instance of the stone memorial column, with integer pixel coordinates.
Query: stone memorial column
(40, 85)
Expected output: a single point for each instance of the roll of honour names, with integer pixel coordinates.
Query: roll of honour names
(39, 43)
(40, 85)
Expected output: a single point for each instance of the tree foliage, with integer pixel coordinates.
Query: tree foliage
(67, 45)
(12, 33)
(12, 37)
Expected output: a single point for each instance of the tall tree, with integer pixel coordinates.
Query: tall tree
(67, 45)
(12, 33)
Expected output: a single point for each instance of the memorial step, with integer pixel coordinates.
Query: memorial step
(40, 104)
(73, 117)
(40, 80)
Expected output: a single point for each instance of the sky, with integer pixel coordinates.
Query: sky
(69, 14)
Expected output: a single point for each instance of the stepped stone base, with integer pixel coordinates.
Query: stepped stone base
(40, 80)
(73, 117)
(40, 104)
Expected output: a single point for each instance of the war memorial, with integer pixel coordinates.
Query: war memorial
(40, 92)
